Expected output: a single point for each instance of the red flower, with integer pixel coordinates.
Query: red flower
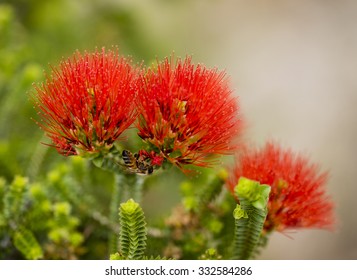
(297, 198)
(87, 103)
(155, 159)
(187, 112)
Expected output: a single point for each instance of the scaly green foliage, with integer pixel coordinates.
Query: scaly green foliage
(26, 243)
(249, 217)
(42, 219)
(14, 199)
(133, 231)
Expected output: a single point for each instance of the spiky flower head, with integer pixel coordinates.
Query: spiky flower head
(87, 102)
(187, 112)
(298, 196)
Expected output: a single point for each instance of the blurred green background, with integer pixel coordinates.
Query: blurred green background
(292, 63)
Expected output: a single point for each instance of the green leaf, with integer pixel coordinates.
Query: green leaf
(210, 254)
(239, 213)
(116, 257)
(253, 192)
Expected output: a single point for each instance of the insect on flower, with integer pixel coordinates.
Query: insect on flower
(135, 163)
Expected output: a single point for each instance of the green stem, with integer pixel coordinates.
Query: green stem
(136, 189)
(117, 195)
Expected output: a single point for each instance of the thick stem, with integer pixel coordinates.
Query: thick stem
(136, 189)
(117, 195)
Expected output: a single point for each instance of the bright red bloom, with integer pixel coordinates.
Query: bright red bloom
(154, 158)
(187, 112)
(297, 198)
(87, 102)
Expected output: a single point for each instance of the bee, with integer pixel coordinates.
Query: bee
(136, 164)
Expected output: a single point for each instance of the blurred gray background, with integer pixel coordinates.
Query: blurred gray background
(294, 66)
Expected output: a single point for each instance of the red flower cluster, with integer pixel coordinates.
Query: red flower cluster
(297, 198)
(187, 112)
(88, 102)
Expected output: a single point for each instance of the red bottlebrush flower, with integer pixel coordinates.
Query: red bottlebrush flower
(154, 158)
(87, 102)
(297, 198)
(187, 112)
